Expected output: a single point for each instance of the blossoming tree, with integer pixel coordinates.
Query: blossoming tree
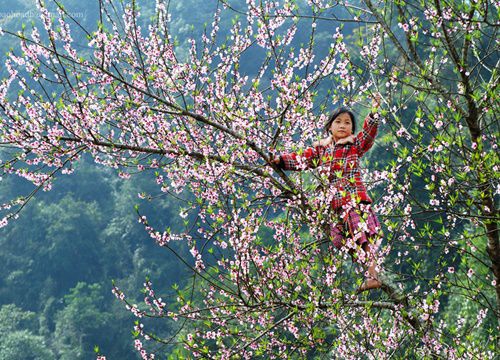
(204, 115)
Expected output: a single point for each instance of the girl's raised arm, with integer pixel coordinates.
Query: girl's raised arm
(305, 159)
(366, 136)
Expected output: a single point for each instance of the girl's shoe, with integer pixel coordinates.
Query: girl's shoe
(369, 284)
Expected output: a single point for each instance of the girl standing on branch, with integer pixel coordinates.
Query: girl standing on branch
(338, 156)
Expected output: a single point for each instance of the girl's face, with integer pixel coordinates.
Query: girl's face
(341, 127)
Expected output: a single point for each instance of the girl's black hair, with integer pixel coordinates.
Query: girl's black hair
(335, 114)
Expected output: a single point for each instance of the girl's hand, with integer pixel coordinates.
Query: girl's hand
(376, 101)
(273, 159)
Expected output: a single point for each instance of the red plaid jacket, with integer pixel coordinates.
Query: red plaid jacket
(340, 162)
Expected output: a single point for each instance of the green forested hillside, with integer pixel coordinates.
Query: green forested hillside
(61, 255)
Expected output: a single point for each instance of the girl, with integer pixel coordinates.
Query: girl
(338, 156)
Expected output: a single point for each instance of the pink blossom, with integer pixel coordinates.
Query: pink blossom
(470, 273)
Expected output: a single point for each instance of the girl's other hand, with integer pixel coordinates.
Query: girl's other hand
(274, 159)
(376, 101)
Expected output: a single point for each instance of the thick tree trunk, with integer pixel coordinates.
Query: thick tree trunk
(489, 208)
(493, 249)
